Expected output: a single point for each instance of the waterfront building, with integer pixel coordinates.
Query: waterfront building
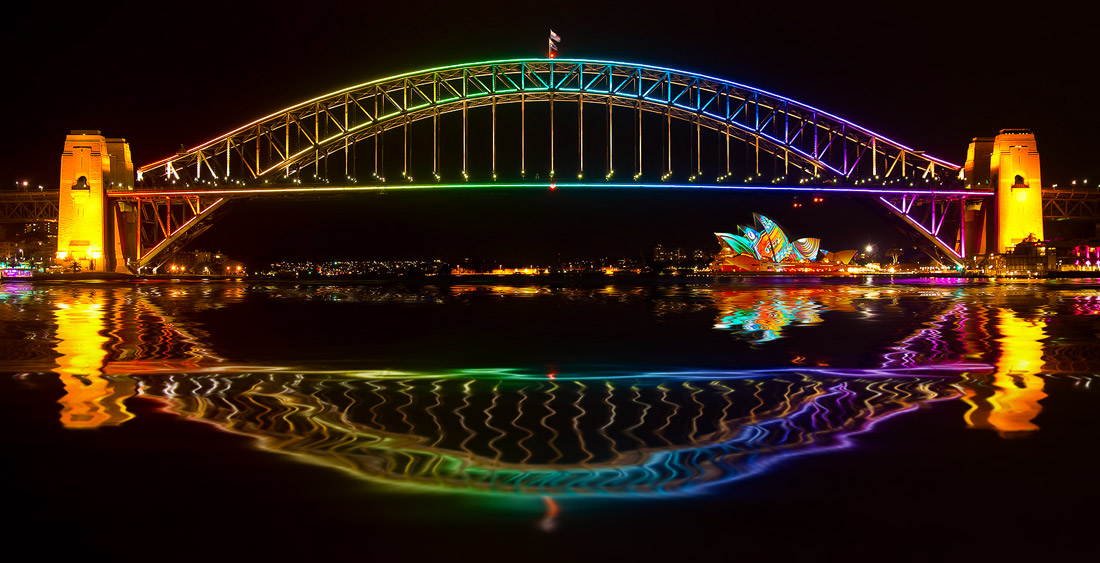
(766, 248)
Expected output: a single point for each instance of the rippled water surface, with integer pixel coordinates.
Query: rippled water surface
(772, 419)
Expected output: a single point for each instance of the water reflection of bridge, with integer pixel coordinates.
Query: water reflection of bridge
(581, 432)
(524, 434)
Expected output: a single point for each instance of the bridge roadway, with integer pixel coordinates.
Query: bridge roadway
(323, 188)
(30, 207)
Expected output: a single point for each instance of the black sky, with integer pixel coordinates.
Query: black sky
(164, 74)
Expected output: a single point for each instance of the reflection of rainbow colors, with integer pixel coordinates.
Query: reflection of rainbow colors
(764, 320)
(507, 432)
(1086, 304)
(761, 314)
(516, 433)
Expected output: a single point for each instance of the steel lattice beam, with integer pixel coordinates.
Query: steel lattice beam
(288, 142)
(1071, 204)
(937, 217)
(165, 223)
(29, 207)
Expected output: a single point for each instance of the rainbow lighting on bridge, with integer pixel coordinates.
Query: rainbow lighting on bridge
(336, 143)
(118, 218)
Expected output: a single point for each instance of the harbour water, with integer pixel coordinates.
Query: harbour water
(773, 418)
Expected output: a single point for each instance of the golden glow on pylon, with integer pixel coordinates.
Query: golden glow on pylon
(91, 400)
(1017, 388)
(1014, 165)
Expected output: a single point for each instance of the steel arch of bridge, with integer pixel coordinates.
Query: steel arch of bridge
(287, 142)
(176, 196)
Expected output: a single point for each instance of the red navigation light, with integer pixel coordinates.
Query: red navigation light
(553, 186)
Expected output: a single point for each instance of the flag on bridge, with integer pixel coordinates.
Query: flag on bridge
(554, 40)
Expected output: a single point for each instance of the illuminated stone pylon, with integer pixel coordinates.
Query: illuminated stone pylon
(1008, 163)
(91, 165)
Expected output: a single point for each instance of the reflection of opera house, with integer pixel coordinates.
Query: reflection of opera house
(767, 249)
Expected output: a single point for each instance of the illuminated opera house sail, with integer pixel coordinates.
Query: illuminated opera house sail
(767, 248)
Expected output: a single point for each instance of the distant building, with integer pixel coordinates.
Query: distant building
(659, 254)
(40, 229)
(9, 250)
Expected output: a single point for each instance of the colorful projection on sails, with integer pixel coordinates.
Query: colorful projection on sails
(768, 244)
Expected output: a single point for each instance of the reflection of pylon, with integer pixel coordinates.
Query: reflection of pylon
(1010, 402)
(91, 401)
(83, 344)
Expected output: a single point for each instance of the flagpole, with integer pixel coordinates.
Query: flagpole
(552, 44)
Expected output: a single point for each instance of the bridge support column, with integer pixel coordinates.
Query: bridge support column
(1009, 164)
(1019, 188)
(91, 165)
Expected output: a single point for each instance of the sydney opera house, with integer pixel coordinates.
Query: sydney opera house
(766, 248)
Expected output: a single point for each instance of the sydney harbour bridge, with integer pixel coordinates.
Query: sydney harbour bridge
(540, 124)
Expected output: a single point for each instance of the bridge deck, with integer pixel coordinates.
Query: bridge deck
(321, 189)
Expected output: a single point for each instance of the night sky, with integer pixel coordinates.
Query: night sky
(161, 75)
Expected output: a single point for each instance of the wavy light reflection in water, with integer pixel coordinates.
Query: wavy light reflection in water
(761, 315)
(1005, 399)
(521, 434)
(90, 400)
(100, 329)
(66, 336)
(515, 432)
(1009, 400)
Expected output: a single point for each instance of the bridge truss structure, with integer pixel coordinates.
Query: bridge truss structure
(29, 207)
(1071, 204)
(677, 128)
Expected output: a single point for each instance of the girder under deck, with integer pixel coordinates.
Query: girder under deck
(169, 218)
